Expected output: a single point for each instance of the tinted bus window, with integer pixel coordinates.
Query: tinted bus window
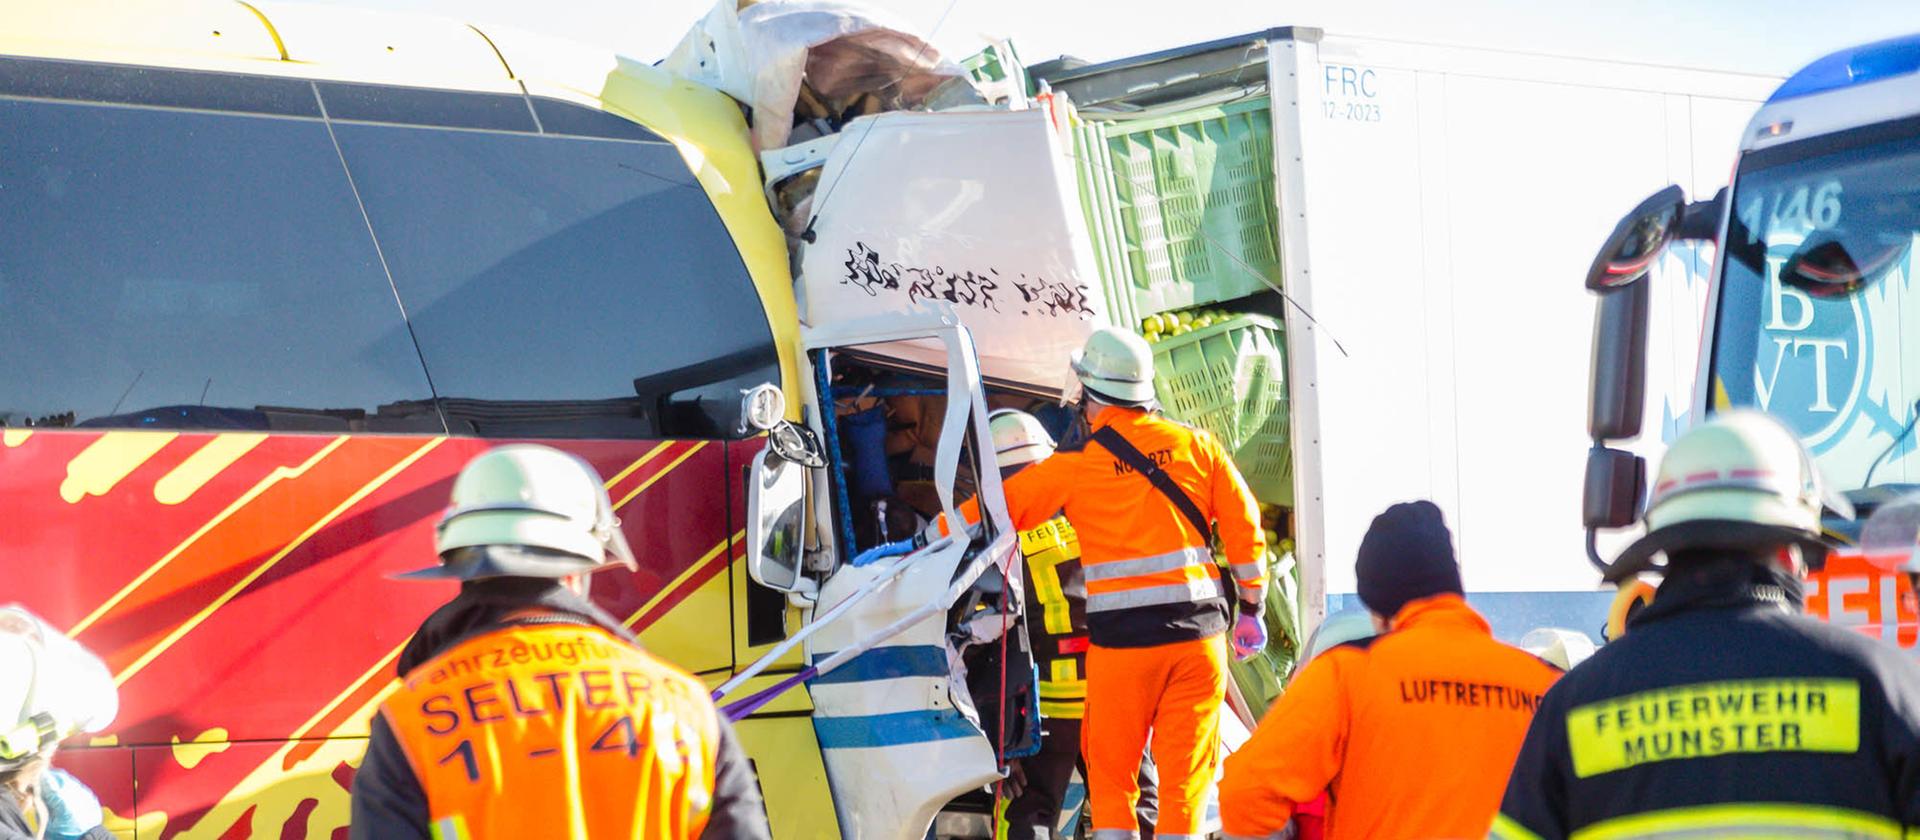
(563, 286)
(176, 269)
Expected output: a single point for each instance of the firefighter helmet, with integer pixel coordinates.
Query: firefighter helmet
(1348, 625)
(538, 511)
(1018, 438)
(1562, 647)
(1741, 480)
(1116, 366)
(50, 688)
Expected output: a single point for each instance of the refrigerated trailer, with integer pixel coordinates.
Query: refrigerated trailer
(1424, 199)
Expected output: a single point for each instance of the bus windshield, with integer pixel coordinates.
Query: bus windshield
(1832, 359)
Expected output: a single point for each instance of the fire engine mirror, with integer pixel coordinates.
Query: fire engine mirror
(1618, 376)
(1638, 240)
(1616, 482)
(776, 517)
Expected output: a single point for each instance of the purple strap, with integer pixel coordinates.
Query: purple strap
(751, 703)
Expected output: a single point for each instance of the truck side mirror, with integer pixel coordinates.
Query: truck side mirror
(1700, 222)
(776, 521)
(1638, 240)
(1618, 378)
(1616, 482)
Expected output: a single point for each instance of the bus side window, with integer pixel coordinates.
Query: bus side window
(563, 286)
(191, 269)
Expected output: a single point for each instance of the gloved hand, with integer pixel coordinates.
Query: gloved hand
(1249, 636)
(72, 809)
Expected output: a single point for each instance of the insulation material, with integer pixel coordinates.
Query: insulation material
(816, 62)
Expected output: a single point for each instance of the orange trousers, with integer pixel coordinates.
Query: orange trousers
(1174, 692)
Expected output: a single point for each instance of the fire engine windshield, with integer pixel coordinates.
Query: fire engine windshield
(1828, 354)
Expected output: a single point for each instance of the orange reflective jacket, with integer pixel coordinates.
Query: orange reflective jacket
(557, 730)
(1151, 578)
(1412, 733)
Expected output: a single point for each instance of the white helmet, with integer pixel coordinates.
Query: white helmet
(1562, 647)
(1348, 625)
(1116, 366)
(1741, 480)
(545, 512)
(1018, 438)
(50, 688)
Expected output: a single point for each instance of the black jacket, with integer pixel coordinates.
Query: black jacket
(388, 803)
(1723, 708)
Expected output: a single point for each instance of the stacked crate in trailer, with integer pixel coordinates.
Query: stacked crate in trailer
(1358, 259)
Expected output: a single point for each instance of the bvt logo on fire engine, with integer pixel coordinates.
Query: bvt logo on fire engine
(1812, 362)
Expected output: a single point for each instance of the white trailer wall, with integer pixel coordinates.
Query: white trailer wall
(1446, 204)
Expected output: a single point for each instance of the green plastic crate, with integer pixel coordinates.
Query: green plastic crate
(1230, 379)
(997, 69)
(1096, 203)
(1187, 203)
(1265, 451)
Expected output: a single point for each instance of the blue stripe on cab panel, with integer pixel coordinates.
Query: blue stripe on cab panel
(893, 729)
(886, 663)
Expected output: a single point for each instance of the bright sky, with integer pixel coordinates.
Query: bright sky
(1772, 37)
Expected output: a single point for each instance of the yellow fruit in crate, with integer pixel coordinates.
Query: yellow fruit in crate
(1153, 338)
(1186, 317)
(1286, 546)
(1203, 322)
(1180, 329)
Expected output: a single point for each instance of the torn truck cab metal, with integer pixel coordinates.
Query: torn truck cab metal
(899, 730)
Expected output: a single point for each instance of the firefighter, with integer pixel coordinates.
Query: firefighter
(1410, 732)
(526, 711)
(50, 689)
(1725, 711)
(1147, 497)
(1057, 623)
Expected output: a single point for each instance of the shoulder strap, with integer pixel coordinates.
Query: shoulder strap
(1131, 455)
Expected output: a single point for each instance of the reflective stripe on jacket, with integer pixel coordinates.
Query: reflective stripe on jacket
(1150, 577)
(1410, 733)
(1721, 712)
(1057, 617)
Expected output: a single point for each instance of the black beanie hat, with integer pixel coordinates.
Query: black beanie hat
(1406, 555)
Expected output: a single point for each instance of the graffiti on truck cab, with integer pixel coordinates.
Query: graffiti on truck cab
(1054, 298)
(866, 273)
(869, 272)
(964, 288)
